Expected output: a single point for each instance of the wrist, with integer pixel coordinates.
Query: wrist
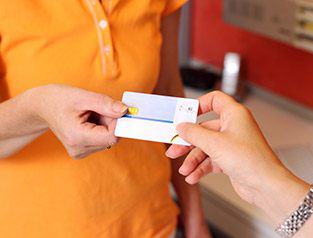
(32, 101)
(280, 193)
(194, 226)
(191, 215)
(193, 219)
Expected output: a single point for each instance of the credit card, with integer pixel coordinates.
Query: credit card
(154, 118)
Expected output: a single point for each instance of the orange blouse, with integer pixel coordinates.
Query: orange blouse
(106, 47)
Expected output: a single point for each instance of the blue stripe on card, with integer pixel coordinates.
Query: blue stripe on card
(148, 119)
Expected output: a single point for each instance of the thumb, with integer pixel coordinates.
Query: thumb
(203, 138)
(105, 106)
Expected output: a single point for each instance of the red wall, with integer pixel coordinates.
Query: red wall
(273, 65)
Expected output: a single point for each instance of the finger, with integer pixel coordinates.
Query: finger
(84, 117)
(111, 126)
(207, 140)
(215, 168)
(216, 101)
(86, 153)
(103, 120)
(203, 169)
(175, 151)
(97, 135)
(103, 105)
(192, 161)
(214, 125)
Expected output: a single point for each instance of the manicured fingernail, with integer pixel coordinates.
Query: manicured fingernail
(119, 107)
(181, 171)
(187, 179)
(169, 155)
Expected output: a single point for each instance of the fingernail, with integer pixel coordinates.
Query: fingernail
(181, 171)
(169, 155)
(119, 107)
(189, 180)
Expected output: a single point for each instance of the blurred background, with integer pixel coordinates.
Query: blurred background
(260, 52)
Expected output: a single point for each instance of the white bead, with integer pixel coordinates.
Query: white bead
(107, 49)
(103, 24)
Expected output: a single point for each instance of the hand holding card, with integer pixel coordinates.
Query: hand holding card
(154, 117)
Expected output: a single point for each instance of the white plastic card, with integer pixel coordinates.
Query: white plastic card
(154, 117)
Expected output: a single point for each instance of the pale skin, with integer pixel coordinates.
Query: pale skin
(67, 111)
(235, 146)
(170, 83)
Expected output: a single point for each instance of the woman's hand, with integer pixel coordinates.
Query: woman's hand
(83, 121)
(234, 145)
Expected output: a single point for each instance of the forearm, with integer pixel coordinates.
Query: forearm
(280, 195)
(170, 86)
(189, 198)
(19, 123)
(169, 82)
